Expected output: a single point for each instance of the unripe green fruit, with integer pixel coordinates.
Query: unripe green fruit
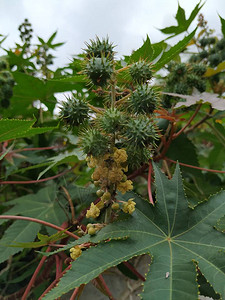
(143, 100)
(99, 70)
(180, 69)
(214, 59)
(140, 72)
(221, 44)
(3, 65)
(115, 206)
(140, 131)
(111, 121)
(199, 69)
(93, 142)
(96, 183)
(89, 226)
(124, 178)
(99, 48)
(92, 231)
(106, 196)
(74, 112)
(99, 193)
(203, 54)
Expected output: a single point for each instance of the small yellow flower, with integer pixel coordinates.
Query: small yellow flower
(123, 187)
(75, 252)
(120, 156)
(93, 212)
(129, 206)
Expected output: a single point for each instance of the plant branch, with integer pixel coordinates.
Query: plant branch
(106, 287)
(54, 283)
(71, 204)
(133, 270)
(33, 278)
(175, 135)
(40, 180)
(194, 167)
(149, 183)
(208, 116)
(40, 222)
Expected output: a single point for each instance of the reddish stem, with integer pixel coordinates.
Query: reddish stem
(194, 167)
(149, 183)
(54, 283)
(106, 287)
(40, 222)
(40, 180)
(75, 292)
(36, 149)
(133, 270)
(33, 278)
(175, 135)
(58, 267)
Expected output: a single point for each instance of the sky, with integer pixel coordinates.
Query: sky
(126, 22)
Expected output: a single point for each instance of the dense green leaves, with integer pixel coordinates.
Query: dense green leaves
(177, 238)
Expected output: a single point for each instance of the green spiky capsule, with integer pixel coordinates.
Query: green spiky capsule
(140, 72)
(137, 156)
(144, 100)
(111, 121)
(214, 59)
(199, 69)
(94, 142)
(203, 54)
(220, 45)
(99, 48)
(140, 131)
(74, 112)
(180, 69)
(99, 70)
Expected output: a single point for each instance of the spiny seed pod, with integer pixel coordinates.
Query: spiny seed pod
(203, 54)
(199, 69)
(181, 88)
(221, 44)
(111, 121)
(140, 131)
(99, 48)
(203, 42)
(94, 143)
(195, 58)
(74, 112)
(3, 64)
(137, 156)
(99, 70)
(180, 69)
(143, 100)
(214, 59)
(140, 72)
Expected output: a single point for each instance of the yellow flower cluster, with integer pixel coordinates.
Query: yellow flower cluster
(123, 187)
(75, 252)
(93, 212)
(109, 168)
(129, 206)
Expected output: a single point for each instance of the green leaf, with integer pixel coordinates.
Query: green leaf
(183, 23)
(173, 51)
(177, 238)
(14, 129)
(43, 240)
(222, 25)
(19, 231)
(73, 156)
(50, 40)
(144, 52)
(43, 206)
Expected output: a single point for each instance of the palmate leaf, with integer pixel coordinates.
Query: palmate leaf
(182, 23)
(177, 238)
